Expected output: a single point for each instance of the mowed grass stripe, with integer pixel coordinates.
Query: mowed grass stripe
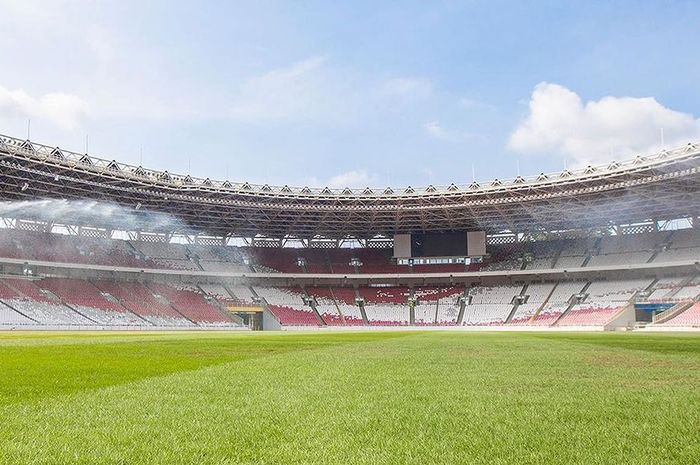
(424, 398)
(63, 364)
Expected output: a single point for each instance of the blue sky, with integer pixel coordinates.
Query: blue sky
(361, 93)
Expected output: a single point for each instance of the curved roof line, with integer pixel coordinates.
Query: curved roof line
(167, 179)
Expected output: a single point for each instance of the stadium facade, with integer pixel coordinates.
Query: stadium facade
(602, 247)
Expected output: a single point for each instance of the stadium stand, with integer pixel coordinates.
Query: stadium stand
(537, 294)
(688, 318)
(190, 303)
(70, 301)
(287, 305)
(141, 301)
(605, 299)
(558, 302)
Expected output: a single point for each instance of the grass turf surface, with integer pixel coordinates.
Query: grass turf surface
(339, 398)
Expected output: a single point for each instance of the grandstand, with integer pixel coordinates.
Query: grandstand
(624, 254)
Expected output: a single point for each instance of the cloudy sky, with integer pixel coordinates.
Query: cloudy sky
(404, 93)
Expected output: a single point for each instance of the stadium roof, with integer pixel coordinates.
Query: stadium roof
(656, 187)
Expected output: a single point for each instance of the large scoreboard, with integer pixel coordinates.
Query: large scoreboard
(452, 244)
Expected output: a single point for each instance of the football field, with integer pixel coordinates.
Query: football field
(349, 398)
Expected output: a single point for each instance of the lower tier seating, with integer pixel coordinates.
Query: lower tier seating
(688, 318)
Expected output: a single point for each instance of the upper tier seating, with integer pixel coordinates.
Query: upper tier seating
(684, 238)
(608, 250)
(223, 267)
(626, 258)
(162, 250)
(677, 255)
(630, 243)
(541, 263)
(564, 262)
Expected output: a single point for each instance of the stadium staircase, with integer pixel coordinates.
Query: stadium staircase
(67, 305)
(437, 309)
(515, 305)
(134, 250)
(623, 318)
(557, 254)
(335, 301)
(319, 318)
(2, 302)
(119, 302)
(17, 290)
(195, 259)
(544, 303)
(162, 299)
(365, 320)
(684, 283)
(218, 305)
(329, 263)
(654, 255)
(571, 305)
(672, 312)
(50, 296)
(230, 293)
(462, 306)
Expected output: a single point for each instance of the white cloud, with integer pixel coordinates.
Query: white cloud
(303, 91)
(316, 90)
(352, 179)
(64, 110)
(437, 131)
(560, 122)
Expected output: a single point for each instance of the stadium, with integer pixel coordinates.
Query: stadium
(424, 299)
(597, 248)
(349, 233)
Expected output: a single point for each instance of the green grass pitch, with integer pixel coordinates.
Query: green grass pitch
(341, 398)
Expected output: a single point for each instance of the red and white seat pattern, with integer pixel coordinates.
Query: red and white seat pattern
(288, 306)
(605, 299)
(558, 302)
(688, 318)
(537, 294)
